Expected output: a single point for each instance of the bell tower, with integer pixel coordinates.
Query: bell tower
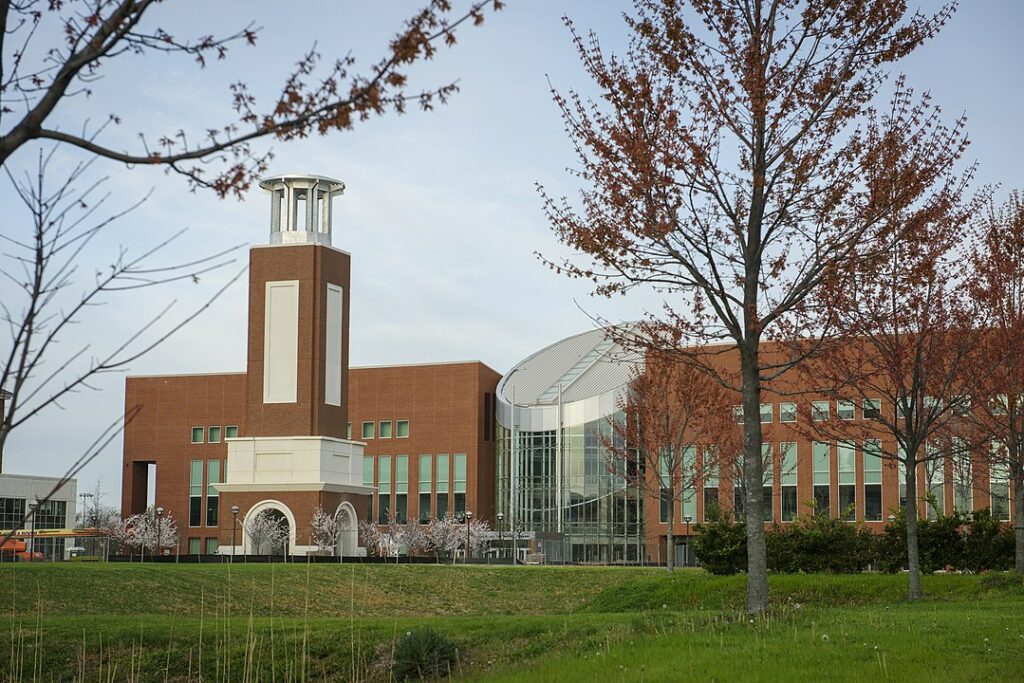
(298, 315)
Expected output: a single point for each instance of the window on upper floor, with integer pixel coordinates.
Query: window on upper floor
(197, 434)
(402, 429)
(214, 434)
(368, 430)
(231, 431)
(385, 429)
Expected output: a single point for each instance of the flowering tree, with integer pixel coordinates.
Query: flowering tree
(729, 165)
(326, 528)
(145, 531)
(445, 535)
(479, 534)
(267, 532)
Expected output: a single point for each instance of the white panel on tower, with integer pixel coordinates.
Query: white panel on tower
(281, 342)
(332, 364)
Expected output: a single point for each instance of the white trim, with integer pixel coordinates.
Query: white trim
(269, 504)
(334, 352)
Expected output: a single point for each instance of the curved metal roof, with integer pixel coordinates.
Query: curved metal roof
(585, 365)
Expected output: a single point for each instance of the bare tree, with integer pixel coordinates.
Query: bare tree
(672, 409)
(728, 166)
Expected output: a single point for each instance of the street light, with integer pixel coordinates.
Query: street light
(33, 506)
(501, 545)
(468, 516)
(686, 544)
(892, 518)
(515, 543)
(159, 518)
(85, 521)
(234, 524)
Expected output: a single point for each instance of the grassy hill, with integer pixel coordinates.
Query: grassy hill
(340, 622)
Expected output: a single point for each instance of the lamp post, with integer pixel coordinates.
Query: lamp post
(85, 521)
(159, 518)
(468, 517)
(234, 524)
(501, 519)
(33, 506)
(686, 544)
(891, 518)
(515, 543)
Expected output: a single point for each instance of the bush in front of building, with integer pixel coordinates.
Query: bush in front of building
(721, 544)
(988, 544)
(424, 654)
(818, 543)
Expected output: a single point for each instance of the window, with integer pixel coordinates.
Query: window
(214, 434)
(348, 430)
(767, 505)
(401, 488)
(385, 429)
(901, 466)
(872, 408)
(998, 404)
(846, 455)
(962, 405)
(51, 514)
(212, 546)
(194, 546)
(367, 430)
(787, 460)
(402, 429)
(787, 412)
(231, 431)
(212, 495)
(665, 510)
(935, 482)
(1000, 485)
(737, 414)
(688, 500)
(459, 482)
(766, 413)
(368, 481)
(963, 478)
(872, 481)
(820, 463)
(711, 507)
(819, 411)
(664, 479)
(195, 492)
(197, 434)
(423, 473)
(383, 488)
(442, 485)
(12, 511)
(845, 410)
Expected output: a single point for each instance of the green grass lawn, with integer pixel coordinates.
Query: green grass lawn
(328, 622)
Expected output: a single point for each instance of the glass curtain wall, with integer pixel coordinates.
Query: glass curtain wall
(601, 514)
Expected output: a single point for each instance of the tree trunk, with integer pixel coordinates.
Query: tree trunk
(753, 480)
(913, 557)
(1017, 472)
(670, 538)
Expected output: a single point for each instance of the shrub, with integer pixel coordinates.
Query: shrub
(940, 543)
(424, 653)
(816, 543)
(721, 545)
(988, 544)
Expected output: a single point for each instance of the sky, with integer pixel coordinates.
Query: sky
(441, 212)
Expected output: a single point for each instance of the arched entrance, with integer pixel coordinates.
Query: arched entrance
(269, 529)
(348, 529)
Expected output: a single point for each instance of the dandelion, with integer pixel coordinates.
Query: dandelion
(664, 606)
(824, 637)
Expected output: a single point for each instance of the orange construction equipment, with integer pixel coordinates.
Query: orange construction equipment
(14, 550)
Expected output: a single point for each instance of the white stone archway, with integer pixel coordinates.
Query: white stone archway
(348, 529)
(259, 507)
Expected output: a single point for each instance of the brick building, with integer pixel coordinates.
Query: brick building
(278, 436)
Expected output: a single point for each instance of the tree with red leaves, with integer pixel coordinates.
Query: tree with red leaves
(313, 99)
(908, 345)
(728, 165)
(997, 284)
(676, 426)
